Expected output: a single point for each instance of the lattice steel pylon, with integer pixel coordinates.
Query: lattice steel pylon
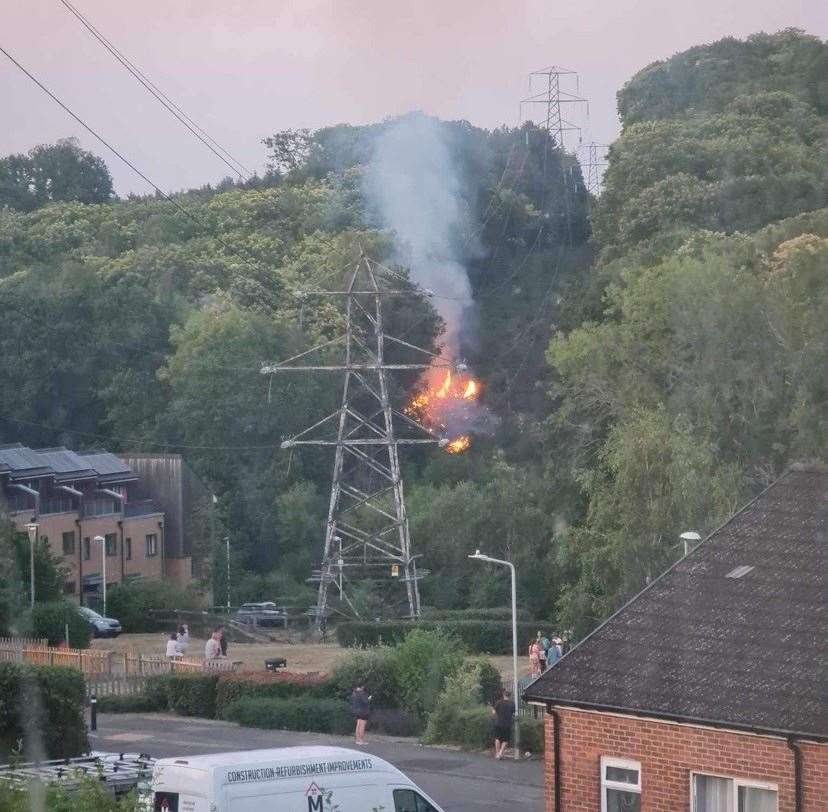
(552, 97)
(593, 167)
(367, 525)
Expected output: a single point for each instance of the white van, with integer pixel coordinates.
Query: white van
(287, 779)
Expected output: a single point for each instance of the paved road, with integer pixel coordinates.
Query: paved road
(459, 782)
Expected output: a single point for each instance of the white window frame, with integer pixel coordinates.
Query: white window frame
(737, 782)
(623, 764)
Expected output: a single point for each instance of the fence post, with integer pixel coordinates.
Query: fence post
(140, 664)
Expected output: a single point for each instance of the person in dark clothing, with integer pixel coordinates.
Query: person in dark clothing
(504, 713)
(223, 640)
(361, 708)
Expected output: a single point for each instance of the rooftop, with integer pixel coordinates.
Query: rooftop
(733, 635)
(22, 463)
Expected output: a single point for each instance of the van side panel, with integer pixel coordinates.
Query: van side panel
(314, 798)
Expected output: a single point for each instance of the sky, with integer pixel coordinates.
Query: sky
(243, 69)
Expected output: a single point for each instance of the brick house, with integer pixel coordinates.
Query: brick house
(708, 691)
(74, 497)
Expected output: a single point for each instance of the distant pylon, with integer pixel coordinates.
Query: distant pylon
(367, 526)
(594, 165)
(551, 97)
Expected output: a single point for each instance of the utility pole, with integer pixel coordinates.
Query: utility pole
(367, 527)
(594, 165)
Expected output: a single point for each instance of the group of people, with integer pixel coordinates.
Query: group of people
(544, 652)
(178, 642)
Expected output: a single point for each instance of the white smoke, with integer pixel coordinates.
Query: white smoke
(413, 184)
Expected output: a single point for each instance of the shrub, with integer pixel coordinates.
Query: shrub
(299, 713)
(275, 685)
(531, 735)
(361, 634)
(375, 668)
(49, 620)
(48, 700)
(192, 694)
(155, 690)
(90, 796)
(139, 703)
(459, 717)
(395, 722)
(422, 662)
(487, 678)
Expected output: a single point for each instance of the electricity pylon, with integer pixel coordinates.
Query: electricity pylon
(593, 167)
(552, 96)
(367, 526)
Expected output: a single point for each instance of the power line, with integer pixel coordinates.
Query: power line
(188, 214)
(219, 151)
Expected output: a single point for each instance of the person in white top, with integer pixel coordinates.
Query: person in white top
(183, 639)
(212, 650)
(172, 646)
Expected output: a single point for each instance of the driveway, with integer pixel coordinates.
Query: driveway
(459, 782)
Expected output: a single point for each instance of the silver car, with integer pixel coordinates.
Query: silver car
(101, 626)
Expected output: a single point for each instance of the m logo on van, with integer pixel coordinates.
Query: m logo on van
(320, 800)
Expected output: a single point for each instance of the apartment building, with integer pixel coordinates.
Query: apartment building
(74, 497)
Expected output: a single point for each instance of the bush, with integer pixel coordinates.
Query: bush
(192, 694)
(133, 602)
(459, 717)
(155, 690)
(139, 703)
(299, 713)
(375, 668)
(395, 722)
(48, 700)
(531, 735)
(479, 636)
(90, 796)
(422, 663)
(270, 685)
(487, 678)
(49, 620)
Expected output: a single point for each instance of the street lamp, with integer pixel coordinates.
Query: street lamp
(227, 553)
(687, 537)
(31, 529)
(102, 541)
(478, 556)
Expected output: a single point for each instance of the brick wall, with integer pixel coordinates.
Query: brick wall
(668, 753)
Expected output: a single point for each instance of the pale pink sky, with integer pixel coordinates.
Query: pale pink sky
(246, 68)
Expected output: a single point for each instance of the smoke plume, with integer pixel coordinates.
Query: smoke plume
(414, 186)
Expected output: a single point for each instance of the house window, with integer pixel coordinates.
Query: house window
(68, 587)
(69, 543)
(111, 541)
(713, 793)
(128, 549)
(620, 785)
(152, 545)
(87, 549)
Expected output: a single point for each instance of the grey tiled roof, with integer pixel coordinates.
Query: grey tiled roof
(747, 653)
(108, 467)
(20, 463)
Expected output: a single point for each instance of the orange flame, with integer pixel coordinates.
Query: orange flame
(441, 398)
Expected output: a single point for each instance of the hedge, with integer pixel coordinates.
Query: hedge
(138, 703)
(184, 694)
(50, 619)
(52, 699)
(298, 713)
(133, 602)
(270, 685)
(375, 669)
(532, 739)
(479, 636)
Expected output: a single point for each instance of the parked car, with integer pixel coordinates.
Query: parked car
(101, 626)
(265, 613)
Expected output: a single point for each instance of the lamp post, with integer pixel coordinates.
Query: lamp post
(478, 556)
(31, 529)
(102, 541)
(227, 553)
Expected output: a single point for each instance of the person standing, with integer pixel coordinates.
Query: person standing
(361, 707)
(504, 713)
(534, 658)
(172, 646)
(554, 653)
(212, 649)
(183, 639)
(223, 640)
(543, 647)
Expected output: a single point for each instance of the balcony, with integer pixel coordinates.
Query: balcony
(100, 506)
(141, 507)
